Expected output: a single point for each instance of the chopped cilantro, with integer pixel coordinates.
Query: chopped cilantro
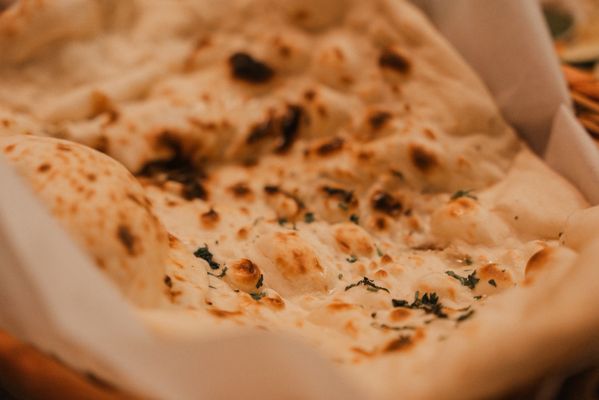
(282, 221)
(370, 285)
(463, 193)
(260, 281)
(400, 303)
(258, 296)
(378, 251)
(465, 316)
(470, 281)
(355, 219)
(207, 256)
(223, 272)
(429, 302)
(478, 297)
(351, 259)
(309, 218)
(492, 282)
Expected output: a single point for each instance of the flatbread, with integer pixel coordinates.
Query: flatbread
(333, 171)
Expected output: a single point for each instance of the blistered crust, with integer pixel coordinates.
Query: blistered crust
(341, 175)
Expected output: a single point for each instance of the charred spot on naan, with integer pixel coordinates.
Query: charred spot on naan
(44, 167)
(128, 239)
(386, 203)
(179, 167)
(423, 159)
(329, 147)
(241, 190)
(246, 68)
(394, 60)
(379, 119)
(284, 128)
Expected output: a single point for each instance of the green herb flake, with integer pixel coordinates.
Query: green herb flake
(465, 316)
(258, 296)
(260, 281)
(492, 282)
(429, 302)
(207, 256)
(478, 297)
(282, 221)
(463, 193)
(308, 217)
(379, 251)
(222, 274)
(355, 219)
(369, 284)
(351, 259)
(400, 303)
(343, 205)
(470, 281)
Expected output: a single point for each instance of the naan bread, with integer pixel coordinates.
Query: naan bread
(331, 170)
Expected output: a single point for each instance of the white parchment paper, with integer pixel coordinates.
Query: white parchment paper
(51, 294)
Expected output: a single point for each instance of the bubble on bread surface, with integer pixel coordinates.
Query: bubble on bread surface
(290, 264)
(101, 206)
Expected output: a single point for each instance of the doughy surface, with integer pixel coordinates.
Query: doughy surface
(331, 170)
